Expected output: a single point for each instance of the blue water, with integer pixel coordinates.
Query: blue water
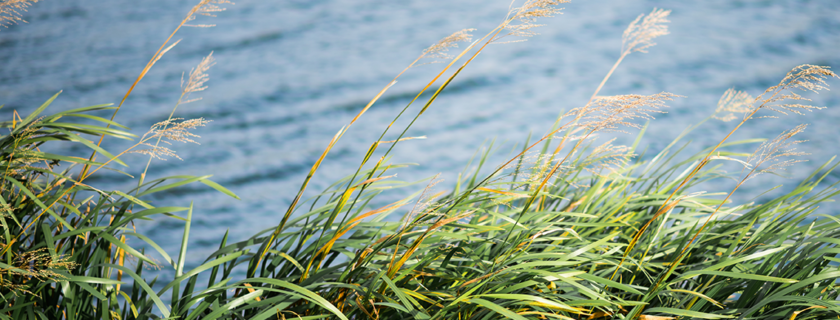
(289, 74)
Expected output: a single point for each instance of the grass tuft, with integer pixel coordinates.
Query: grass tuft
(569, 230)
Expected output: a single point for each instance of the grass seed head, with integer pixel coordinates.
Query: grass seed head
(609, 113)
(768, 158)
(425, 200)
(528, 13)
(640, 33)
(169, 131)
(175, 130)
(10, 11)
(198, 76)
(439, 49)
(39, 265)
(731, 103)
(206, 8)
(533, 9)
(607, 157)
(806, 78)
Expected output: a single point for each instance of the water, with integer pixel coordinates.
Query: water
(289, 74)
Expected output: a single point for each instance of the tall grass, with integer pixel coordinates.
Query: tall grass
(565, 229)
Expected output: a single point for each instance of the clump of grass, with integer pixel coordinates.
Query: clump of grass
(565, 231)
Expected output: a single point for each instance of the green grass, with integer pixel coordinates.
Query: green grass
(566, 229)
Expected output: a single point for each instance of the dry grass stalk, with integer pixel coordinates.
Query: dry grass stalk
(195, 83)
(10, 11)
(205, 7)
(638, 37)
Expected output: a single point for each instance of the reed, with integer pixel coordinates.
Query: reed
(565, 229)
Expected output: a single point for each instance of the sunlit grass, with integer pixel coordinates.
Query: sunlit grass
(568, 228)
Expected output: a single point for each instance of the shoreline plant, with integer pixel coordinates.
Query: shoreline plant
(565, 229)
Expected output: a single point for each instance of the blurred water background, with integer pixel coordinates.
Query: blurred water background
(290, 73)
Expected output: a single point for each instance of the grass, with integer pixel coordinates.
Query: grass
(566, 229)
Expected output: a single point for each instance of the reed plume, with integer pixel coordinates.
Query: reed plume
(733, 102)
(768, 158)
(641, 32)
(204, 7)
(195, 82)
(10, 11)
(198, 77)
(168, 131)
(522, 19)
(609, 113)
(440, 49)
(805, 77)
(607, 157)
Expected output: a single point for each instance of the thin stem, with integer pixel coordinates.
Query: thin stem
(143, 175)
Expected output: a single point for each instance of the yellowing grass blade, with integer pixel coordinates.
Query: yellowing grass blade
(518, 195)
(372, 180)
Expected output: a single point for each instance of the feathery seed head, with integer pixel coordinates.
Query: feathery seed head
(767, 158)
(157, 152)
(533, 9)
(806, 78)
(640, 33)
(424, 205)
(439, 49)
(528, 13)
(198, 77)
(607, 157)
(733, 102)
(608, 113)
(10, 11)
(206, 8)
(171, 130)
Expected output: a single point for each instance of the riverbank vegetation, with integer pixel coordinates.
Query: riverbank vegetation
(569, 228)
